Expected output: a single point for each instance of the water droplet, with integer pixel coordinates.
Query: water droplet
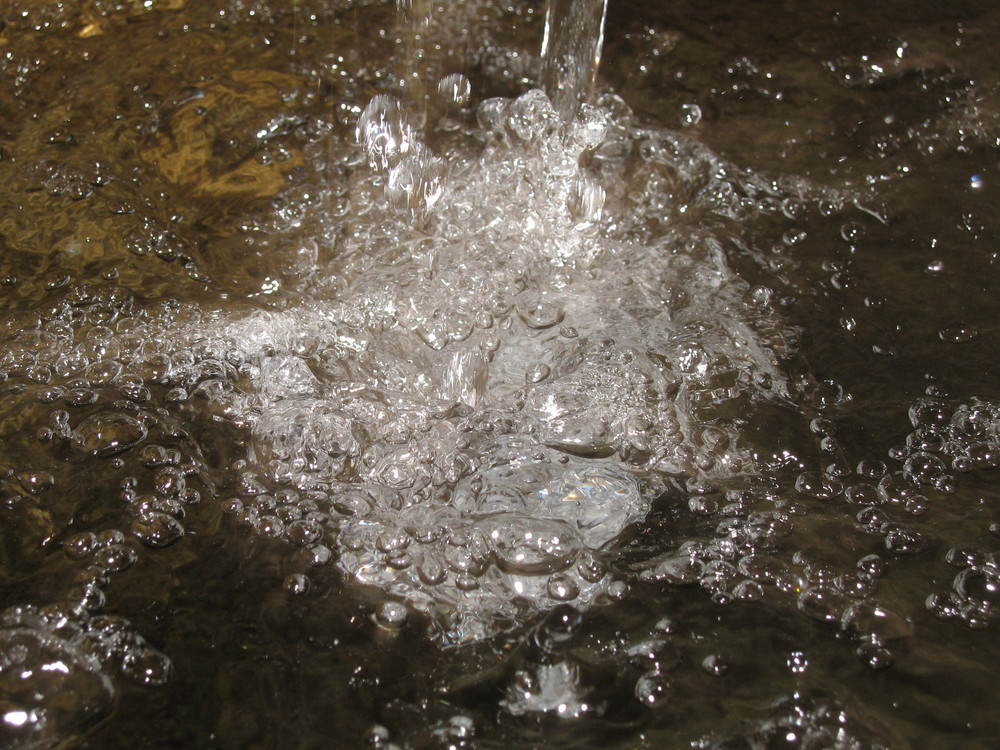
(383, 131)
(586, 200)
(415, 184)
(456, 89)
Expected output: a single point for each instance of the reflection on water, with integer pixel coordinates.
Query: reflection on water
(450, 420)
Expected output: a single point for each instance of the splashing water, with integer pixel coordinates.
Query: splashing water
(520, 376)
(493, 416)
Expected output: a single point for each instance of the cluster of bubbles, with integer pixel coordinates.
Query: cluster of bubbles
(751, 555)
(53, 668)
(495, 393)
(456, 733)
(947, 442)
(807, 720)
(81, 392)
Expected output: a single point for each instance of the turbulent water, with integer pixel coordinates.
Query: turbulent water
(357, 394)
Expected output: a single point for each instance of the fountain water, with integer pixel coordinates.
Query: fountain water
(521, 375)
(571, 51)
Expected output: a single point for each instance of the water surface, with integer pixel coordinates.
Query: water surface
(672, 425)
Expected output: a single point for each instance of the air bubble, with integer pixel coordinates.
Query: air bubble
(591, 570)
(391, 615)
(147, 666)
(79, 546)
(562, 588)
(36, 482)
(618, 591)
(652, 689)
(862, 494)
(852, 232)
(981, 586)
(115, 557)
(431, 571)
(690, 114)
(297, 584)
(537, 373)
(304, 532)
(905, 542)
(715, 665)
(818, 484)
(157, 529)
(540, 314)
(875, 656)
(797, 662)
(531, 547)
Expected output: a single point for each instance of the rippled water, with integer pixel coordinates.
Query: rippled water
(356, 396)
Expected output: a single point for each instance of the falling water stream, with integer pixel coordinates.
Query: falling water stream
(571, 51)
(370, 378)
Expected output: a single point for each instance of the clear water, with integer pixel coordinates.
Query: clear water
(354, 395)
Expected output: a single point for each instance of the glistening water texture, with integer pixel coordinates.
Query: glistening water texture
(356, 396)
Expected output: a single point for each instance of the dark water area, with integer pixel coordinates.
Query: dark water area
(291, 458)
